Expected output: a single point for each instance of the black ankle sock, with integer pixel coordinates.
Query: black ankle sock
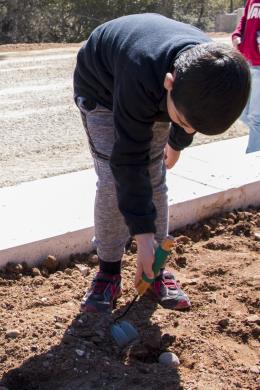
(112, 268)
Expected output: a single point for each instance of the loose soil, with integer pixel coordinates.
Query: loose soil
(47, 344)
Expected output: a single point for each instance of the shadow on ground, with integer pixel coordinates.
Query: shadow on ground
(88, 358)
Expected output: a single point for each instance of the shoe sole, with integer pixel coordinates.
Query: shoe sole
(169, 303)
(180, 305)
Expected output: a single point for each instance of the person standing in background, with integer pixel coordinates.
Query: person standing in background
(246, 38)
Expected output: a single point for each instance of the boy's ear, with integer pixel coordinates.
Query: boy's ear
(168, 81)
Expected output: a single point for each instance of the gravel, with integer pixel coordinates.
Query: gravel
(41, 131)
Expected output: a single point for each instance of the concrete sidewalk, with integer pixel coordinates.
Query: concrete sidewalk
(55, 215)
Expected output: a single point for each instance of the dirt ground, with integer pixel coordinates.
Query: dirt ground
(46, 344)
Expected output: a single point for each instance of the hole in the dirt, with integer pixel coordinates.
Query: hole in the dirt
(149, 351)
(147, 356)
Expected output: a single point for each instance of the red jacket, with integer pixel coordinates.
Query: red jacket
(247, 29)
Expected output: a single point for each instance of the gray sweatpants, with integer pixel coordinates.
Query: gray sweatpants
(111, 232)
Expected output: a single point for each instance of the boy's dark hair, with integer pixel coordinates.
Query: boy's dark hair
(211, 87)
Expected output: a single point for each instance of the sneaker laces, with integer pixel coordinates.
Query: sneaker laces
(168, 280)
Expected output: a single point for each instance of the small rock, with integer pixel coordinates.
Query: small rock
(93, 259)
(224, 322)
(206, 231)
(255, 370)
(51, 263)
(79, 352)
(45, 272)
(14, 268)
(169, 359)
(13, 333)
(220, 229)
(257, 236)
(84, 270)
(167, 340)
(36, 271)
(231, 215)
(58, 325)
(253, 319)
(68, 271)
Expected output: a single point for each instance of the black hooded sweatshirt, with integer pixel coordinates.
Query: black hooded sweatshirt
(122, 66)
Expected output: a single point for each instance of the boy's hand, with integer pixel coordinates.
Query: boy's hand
(171, 156)
(145, 256)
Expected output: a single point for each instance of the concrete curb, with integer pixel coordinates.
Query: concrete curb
(216, 203)
(55, 215)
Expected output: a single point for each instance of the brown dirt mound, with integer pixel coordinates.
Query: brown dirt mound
(45, 343)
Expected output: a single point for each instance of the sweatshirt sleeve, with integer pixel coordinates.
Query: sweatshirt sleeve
(133, 117)
(239, 31)
(178, 138)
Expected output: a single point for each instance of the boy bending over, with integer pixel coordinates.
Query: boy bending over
(145, 84)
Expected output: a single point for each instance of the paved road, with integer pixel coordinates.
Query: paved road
(41, 133)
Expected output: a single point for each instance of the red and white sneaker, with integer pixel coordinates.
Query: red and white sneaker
(101, 296)
(169, 293)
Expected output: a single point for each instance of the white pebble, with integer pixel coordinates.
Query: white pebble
(12, 333)
(169, 359)
(85, 271)
(257, 236)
